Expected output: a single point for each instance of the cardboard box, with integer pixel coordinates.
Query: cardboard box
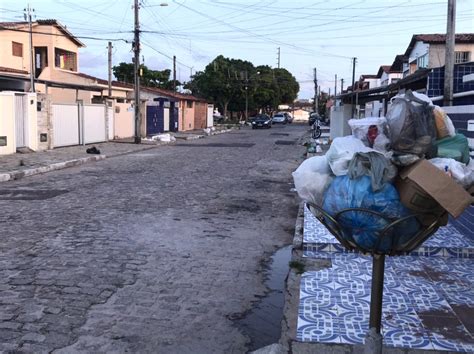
(425, 189)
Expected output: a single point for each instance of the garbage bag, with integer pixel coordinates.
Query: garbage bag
(444, 125)
(456, 147)
(362, 228)
(341, 152)
(411, 125)
(461, 173)
(367, 129)
(311, 179)
(372, 164)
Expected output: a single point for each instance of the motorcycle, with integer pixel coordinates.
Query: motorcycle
(316, 129)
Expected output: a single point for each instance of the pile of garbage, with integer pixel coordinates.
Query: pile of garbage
(411, 162)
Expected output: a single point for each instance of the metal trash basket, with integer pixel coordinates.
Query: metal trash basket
(373, 343)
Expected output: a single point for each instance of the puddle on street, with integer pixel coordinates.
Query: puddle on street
(263, 322)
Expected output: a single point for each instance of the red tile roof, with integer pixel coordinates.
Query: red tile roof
(438, 38)
(104, 82)
(50, 22)
(15, 71)
(382, 69)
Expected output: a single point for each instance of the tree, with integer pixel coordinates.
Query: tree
(148, 77)
(231, 83)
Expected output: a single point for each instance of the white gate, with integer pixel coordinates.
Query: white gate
(110, 120)
(65, 124)
(94, 124)
(21, 123)
(75, 124)
(166, 119)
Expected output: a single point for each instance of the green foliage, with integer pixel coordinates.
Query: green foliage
(297, 266)
(148, 78)
(229, 83)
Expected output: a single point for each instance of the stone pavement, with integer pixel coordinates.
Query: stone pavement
(155, 251)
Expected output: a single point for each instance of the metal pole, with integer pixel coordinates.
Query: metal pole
(32, 50)
(110, 68)
(278, 57)
(449, 62)
(373, 340)
(174, 73)
(353, 82)
(136, 49)
(315, 90)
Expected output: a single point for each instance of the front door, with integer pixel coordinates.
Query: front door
(154, 120)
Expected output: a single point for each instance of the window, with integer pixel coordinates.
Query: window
(461, 57)
(65, 60)
(394, 80)
(189, 104)
(17, 49)
(422, 62)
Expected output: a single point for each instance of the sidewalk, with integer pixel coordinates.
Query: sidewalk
(21, 165)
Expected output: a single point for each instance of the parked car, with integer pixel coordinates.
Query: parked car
(280, 118)
(313, 117)
(261, 121)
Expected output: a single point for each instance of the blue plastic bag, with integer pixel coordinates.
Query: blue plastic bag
(364, 228)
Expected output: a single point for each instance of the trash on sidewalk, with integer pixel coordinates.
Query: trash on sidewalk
(93, 150)
(167, 138)
(383, 167)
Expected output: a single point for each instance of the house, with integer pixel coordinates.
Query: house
(77, 108)
(429, 51)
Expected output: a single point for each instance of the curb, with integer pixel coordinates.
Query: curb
(19, 174)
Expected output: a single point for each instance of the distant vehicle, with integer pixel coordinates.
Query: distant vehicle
(280, 118)
(261, 121)
(218, 118)
(313, 117)
(289, 117)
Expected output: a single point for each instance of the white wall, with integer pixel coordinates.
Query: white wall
(7, 122)
(339, 118)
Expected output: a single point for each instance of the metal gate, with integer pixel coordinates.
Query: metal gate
(21, 121)
(166, 120)
(75, 124)
(154, 120)
(65, 124)
(94, 123)
(174, 117)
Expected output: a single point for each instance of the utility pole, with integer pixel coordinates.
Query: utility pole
(315, 90)
(136, 62)
(278, 58)
(174, 73)
(110, 68)
(246, 95)
(354, 60)
(449, 62)
(335, 88)
(342, 85)
(27, 16)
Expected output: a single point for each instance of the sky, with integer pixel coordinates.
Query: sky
(325, 35)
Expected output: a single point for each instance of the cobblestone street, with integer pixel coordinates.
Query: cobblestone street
(154, 251)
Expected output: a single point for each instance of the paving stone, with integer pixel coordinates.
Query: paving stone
(33, 337)
(130, 229)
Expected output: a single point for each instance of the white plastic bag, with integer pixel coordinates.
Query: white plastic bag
(341, 151)
(312, 178)
(461, 173)
(360, 127)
